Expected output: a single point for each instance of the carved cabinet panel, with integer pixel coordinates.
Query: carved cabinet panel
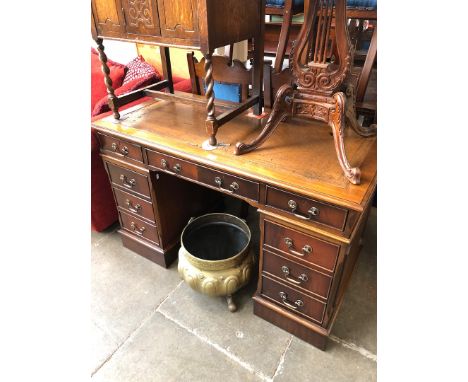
(141, 17)
(179, 18)
(108, 17)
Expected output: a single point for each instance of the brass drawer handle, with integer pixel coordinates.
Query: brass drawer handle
(127, 183)
(313, 211)
(284, 298)
(136, 209)
(123, 151)
(234, 186)
(177, 168)
(138, 231)
(302, 278)
(306, 250)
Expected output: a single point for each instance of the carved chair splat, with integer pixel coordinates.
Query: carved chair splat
(322, 87)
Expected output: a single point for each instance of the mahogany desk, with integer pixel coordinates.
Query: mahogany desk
(311, 217)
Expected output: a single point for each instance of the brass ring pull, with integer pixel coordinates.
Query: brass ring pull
(136, 209)
(123, 151)
(164, 163)
(302, 278)
(138, 231)
(177, 168)
(233, 187)
(313, 211)
(306, 250)
(127, 183)
(284, 298)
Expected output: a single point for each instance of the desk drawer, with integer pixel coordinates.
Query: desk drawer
(297, 275)
(120, 149)
(293, 300)
(307, 209)
(229, 183)
(129, 180)
(297, 245)
(172, 165)
(139, 227)
(133, 204)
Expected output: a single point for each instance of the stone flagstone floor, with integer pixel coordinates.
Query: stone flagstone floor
(147, 325)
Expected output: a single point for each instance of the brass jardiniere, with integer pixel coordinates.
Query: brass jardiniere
(215, 257)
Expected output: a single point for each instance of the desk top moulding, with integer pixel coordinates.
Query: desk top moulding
(190, 24)
(323, 87)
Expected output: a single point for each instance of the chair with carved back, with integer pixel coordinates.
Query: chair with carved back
(322, 86)
(233, 81)
(236, 76)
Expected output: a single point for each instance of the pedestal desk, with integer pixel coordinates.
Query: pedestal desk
(311, 217)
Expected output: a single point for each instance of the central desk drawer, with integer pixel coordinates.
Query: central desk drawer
(229, 183)
(299, 246)
(293, 300)
(134, 204)
(307, 209)
(129, 179)
(296, 275)
(139, 227)
(224, 182)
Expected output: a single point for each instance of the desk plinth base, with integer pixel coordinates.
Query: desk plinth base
(301, 328)
(150, 251)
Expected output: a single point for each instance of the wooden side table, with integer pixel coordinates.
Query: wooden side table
(191, 24)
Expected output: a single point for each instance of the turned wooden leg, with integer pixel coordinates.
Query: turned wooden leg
(211, 122)
(337, 123)
(281, 109)
(113, 101)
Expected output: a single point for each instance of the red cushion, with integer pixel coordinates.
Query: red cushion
(98, 87)
(139, 68)
(182, 84)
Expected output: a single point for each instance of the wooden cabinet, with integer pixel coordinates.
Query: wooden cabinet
(196, 24)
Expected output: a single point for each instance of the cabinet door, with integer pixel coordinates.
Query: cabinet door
(179, 18)
(108, 17)
(141, 17)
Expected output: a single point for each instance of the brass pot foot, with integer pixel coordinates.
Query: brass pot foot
(231, 305)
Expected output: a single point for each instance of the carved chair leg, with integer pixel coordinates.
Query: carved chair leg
(211, 122)
(113, 101)
(337, 123)
(281, 109)
(363, 131)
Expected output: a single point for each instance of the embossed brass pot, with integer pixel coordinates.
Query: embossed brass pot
(215, 257)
